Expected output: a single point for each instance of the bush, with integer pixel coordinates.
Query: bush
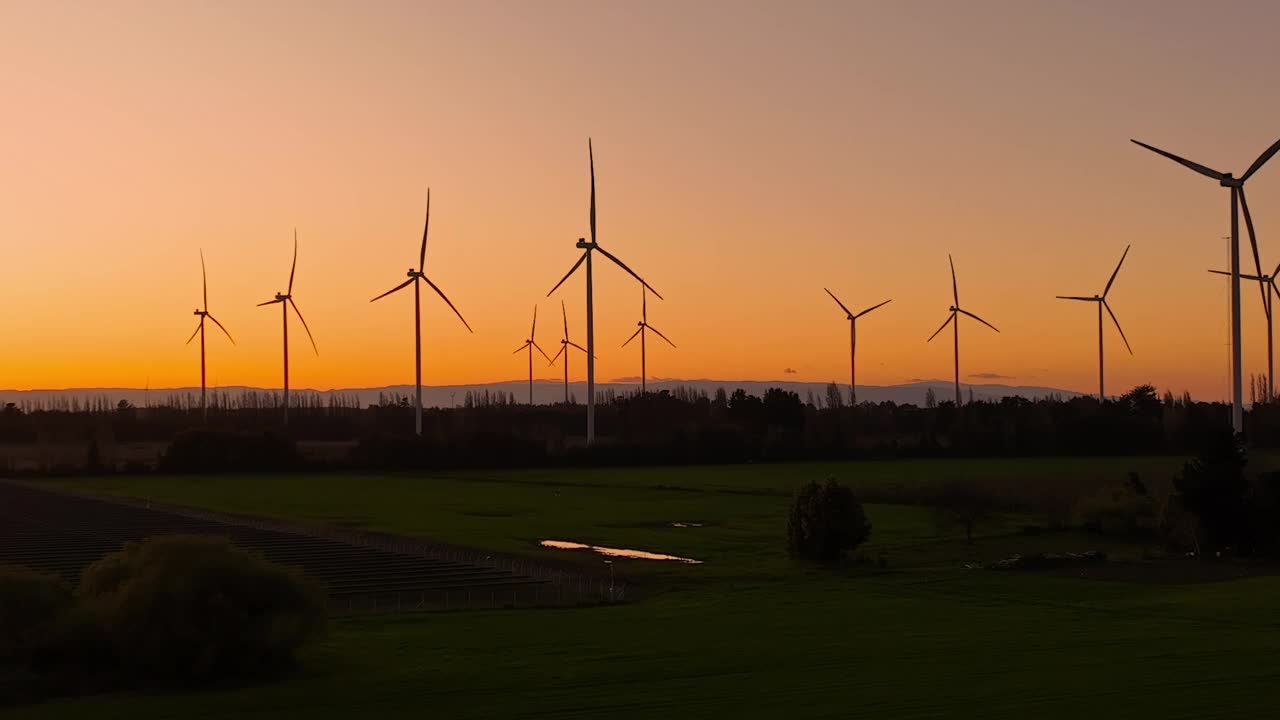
(189, 610)
(31, 603)
(1213, 489)
(962, 505)
(210, 451)
(826, 521)
(48, 646)
(1264, 514)
(1125, 510)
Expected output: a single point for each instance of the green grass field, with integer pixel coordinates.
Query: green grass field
(749, 633)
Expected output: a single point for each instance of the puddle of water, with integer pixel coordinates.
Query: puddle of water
(617, 552)
(685, 524)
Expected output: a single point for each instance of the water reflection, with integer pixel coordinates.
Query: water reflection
(617, 552)
(685, 524)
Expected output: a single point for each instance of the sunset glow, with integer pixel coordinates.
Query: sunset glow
(747, 156)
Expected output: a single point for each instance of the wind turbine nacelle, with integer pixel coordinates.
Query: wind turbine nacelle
(582, 243)
(1230, 181)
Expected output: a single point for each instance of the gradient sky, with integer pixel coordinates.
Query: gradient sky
(748, 154)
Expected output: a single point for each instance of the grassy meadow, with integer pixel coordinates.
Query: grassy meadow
(750, 633)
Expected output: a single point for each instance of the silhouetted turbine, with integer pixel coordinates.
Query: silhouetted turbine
(644, 327)
(414, 277)
(587, 247)
(952, 318)
(565, 344)
(1269, 284)
(203, 314)
(1227, 180)
(530, 344)
(853, 343)
(286, 301)
(1101, 300)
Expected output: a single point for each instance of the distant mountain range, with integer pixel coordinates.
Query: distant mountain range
(550, 391)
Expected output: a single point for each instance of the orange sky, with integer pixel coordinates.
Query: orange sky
(748, 154)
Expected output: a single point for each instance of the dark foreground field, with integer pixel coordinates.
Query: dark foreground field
(749, 633)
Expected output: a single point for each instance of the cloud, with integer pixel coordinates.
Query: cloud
(991, 376)
(790, 371)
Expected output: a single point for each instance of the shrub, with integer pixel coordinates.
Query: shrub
(188, 610)
(208, 451)
(1264, 514)
(31, 603)
(1126, 510)
(826, 521)
(1213, 488)
(962, 505)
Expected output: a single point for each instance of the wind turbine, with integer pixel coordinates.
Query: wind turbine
(956, 310)
(1228, 180)
(414, 277)
(1268, 283)
(203, 314)
(286, 301)
(565, 344)
(1101, 300)
(530, 344)
(853, 342)
(644, 326)
(587, 247)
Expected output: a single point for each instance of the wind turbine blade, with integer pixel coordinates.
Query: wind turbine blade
(1259, 278)
(659, 333)
(557, 355)
(533, 329)
(440, 292)
(644, 305)
(1117, 271)
(269, 302)
(573, 269)
(846, 310)
(1262, 160)
(422, 254)
(204, 280)
(220, 327)
(1077, 297)
(294, 266)
(631, 272)
(1253, 243)
(955, 290)
(539, 349)
(196, 332)
(525, 345)
(574, 344)
(1207, 172)
(298, 312)
(633, 336)
(401, 286)
(565, 313)
(950, 317)
(591, 154)
(975, 317)
(873, 307)
(1117, 322)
